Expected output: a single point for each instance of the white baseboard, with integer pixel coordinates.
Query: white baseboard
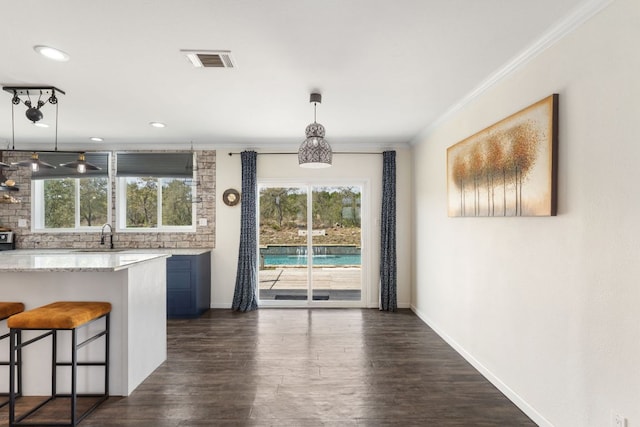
(221, 305)
(505, 389)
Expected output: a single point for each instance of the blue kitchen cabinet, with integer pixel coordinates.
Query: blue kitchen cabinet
(188, 285)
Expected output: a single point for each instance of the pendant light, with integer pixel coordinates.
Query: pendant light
(81, 165)
(35, 163)
(315, 152)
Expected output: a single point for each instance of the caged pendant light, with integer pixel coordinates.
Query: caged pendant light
(315, 151)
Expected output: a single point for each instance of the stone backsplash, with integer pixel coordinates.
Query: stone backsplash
(203, 237)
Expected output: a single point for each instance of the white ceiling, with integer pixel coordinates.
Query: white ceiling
(386, 69)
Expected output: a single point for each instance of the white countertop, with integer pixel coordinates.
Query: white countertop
(68, 260)
(182, 251)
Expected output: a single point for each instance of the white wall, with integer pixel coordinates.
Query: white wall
(548, 308)
(366, 167)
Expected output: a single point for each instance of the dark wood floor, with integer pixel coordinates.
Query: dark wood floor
(318, 367)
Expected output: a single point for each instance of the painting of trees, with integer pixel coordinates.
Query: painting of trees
(508, 169)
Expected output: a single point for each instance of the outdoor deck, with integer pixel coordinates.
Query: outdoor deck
(332, 283)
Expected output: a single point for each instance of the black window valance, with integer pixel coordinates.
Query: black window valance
(100, 160)
(164, 165)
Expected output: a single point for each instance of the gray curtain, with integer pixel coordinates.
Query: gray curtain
(388, 269)
(244, 297)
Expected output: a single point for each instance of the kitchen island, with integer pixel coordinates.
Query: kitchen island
(133, 282)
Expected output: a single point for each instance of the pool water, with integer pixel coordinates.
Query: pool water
(317, 260)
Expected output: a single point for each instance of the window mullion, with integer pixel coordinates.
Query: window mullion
(38, 209)
(159, 203)
(77, 203)
(309, 243)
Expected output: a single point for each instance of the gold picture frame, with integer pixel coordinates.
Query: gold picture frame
(509, 168)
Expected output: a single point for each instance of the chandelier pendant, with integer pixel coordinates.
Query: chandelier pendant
(315, 152)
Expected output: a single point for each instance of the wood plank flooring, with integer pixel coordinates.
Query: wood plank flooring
(309, 367)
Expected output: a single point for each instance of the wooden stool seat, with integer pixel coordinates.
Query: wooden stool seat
(10, 308)
(59, 315)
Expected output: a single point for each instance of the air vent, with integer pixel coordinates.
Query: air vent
(210, 58)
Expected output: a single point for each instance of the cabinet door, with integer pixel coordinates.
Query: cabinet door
(180, 297)
(203, 280)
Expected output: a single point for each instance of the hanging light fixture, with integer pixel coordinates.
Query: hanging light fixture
(315, 151)
(81, 165)
(34, 114)
(35, 163)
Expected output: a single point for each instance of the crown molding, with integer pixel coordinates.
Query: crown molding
(557, 32)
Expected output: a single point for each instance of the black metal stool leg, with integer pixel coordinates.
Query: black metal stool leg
(106, 354)
(74, 363)
(54, 363)
(19, 361)
(18, 367)
(12, 376)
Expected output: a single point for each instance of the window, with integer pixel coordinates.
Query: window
(155, 203)
(155, 191)
(66, 201)
(71, 203)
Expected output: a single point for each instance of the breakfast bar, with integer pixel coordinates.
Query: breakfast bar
(134, 284)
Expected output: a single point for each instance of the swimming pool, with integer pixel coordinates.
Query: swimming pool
(343, 259)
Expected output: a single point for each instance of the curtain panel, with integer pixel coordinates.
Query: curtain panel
(388, 267)
(244, 297)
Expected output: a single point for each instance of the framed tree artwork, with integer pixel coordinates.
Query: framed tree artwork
(509, 168)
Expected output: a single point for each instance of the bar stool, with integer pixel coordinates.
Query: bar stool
(52, 318)
(8, 309)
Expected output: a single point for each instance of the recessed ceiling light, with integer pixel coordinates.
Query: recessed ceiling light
(52, 53)
(157, 124)
(96, 139)
(41, 125)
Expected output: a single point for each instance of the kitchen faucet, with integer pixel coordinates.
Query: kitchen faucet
(110, 235)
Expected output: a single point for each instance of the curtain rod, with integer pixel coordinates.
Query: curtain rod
(296, 153)
(11, 150)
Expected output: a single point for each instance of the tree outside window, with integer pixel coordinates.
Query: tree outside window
(176, 202)
(149, 199)
(93, 201)
(71, 203)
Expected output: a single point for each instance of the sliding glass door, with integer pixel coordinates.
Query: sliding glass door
(310, 244)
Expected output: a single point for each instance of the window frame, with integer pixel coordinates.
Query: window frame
(121, 212)
(38, 211)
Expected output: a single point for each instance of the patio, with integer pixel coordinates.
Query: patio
(330, 283)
